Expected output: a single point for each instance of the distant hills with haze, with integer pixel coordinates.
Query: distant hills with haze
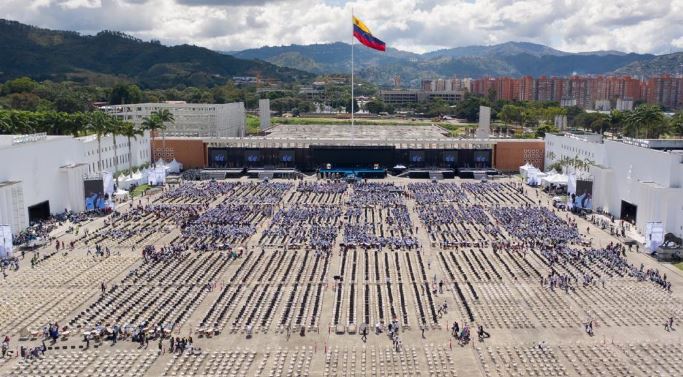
(505, 59)
(111, 56)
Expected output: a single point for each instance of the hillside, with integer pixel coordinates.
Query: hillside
(511, 58)
(55, 55)
(664, 64)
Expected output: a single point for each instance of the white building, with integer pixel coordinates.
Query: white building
(642, 179)
(43, 174)
(585, 146)
(141, 154)
(191, 119)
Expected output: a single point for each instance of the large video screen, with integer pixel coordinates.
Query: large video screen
(481, 156)
(218, 157)
(252, 156)
(417, 156)
(450, 157)
(286, 156)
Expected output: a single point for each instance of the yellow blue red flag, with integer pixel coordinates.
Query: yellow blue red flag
(364, 36)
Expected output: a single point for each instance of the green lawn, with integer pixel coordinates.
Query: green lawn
(361, 121)
(139, 190)
(253, 124)
(678, 265)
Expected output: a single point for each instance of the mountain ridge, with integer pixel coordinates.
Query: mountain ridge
(54, 54)
(505, 59)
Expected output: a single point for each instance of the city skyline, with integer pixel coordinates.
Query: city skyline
(416, 26)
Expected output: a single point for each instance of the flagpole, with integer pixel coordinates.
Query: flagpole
(352, 101)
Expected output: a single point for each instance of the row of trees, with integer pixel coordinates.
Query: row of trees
(96, 123)
(102, 124)
(645, 121)
(26, 94)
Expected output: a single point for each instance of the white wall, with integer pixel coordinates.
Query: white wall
(559, 146)
(39, 167)
(53, 169)
(191, 119)
(141, 152)
(12, 209)
(647, 178)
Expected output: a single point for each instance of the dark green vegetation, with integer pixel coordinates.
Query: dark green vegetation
(659, 65)
(111, 57)
(507, 59)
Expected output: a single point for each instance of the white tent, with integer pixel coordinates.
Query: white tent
(524, 169)
(157, 176)
(144, 176)
(121, 194)
(127, 181)
(534, 177)
(174, 167)
(555, 179)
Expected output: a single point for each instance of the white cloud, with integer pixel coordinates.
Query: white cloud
(654, 26)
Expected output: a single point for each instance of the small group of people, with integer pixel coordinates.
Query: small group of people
(52, 331)
(30, 353)
(463, 336)
(5, 346)
(180, 345)
(152, 254)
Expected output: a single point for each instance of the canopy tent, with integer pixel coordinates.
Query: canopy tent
(121, 194)
(525, 169)
(157, 176)
(174, 167)
(134, 179)
(534, 177)
(555, 179)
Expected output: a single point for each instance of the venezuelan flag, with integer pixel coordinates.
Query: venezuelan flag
(364, 36)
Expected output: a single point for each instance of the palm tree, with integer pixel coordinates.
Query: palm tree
(676, 122)
(99, 124)
(130, 132)
(645, 116)
(5, 122)
(115, 127)
(164, 116)
(152, 123)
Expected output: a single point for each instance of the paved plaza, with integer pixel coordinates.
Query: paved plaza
(283, 278)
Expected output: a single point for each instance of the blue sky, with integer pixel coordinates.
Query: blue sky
(414, 25)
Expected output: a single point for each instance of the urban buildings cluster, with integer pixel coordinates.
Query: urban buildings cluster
(589, 92)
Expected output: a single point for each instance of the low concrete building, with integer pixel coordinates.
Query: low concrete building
(637, 180)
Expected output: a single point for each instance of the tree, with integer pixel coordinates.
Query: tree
(152, 123)
(100, 125)
(648, 117)
(115, 128)
(125, 93)
(572, 113)
(19, 85)
(164, 116)
(543, 129)
(676, 122)
(348, 105)
(24, 101)
(128, 130)
(468, 108)
(375, 106)
(616, 120)
(510, 114)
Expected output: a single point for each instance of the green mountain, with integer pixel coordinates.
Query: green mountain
(671, 64)
(506, 59)
(56, 55)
